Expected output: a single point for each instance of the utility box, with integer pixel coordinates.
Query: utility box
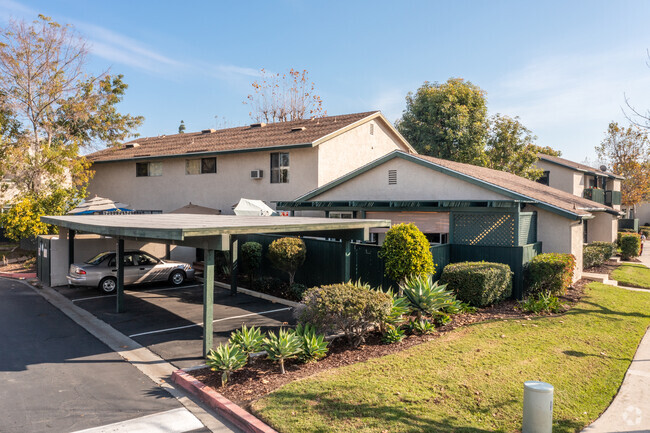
(538, 407)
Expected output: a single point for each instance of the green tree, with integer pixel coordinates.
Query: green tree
(447, 121)
(510, 147)
(56, 111)
(288, 254)
(627, 151)
(181, 127)
(406, 252)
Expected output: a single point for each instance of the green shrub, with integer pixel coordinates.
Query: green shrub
(313, 345)
(285, 345)
(550, 272)
(541, 302)
(645, 231)
(478, 283)
(249, 340)
(345, 308)
(393, 335)
(406, 252)
(608, 249)
(620, 233)
(226, 358)
(421, 326)
(427, 297)
(287, 255)
(591, 256)
(251, 259)
(630, 246)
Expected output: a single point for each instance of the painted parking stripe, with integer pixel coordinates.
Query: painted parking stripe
(159, 331)
(172, 421)
(137, 291)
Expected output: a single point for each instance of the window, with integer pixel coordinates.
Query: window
(280, 167)
(201, 165)
(545, 178)
(145, 169)
(341, 215)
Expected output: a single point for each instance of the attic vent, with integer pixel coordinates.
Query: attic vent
(208, 131)
(298, 128)
(131, 145)
(372, 129)
(258, 125)
(198, 150)
(392, 177)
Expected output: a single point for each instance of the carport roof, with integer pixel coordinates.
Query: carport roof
(188, 227)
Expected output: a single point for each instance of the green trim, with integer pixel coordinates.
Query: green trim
(397, 206)
(441, 169)
(192, 155)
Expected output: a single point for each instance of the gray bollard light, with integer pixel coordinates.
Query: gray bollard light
(538, 407)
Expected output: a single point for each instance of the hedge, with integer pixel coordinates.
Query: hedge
(591, 257)
(630, 245)
(607, 248)
(620, 233)
(550, 272)
(478, 283)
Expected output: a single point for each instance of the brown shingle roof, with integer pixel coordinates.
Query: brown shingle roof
(231, 139)
(576, 165)
(522, 186)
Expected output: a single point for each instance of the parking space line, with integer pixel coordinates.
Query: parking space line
(159, 331)
(138, 291)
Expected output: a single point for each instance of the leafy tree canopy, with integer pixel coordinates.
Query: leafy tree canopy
(510, 148)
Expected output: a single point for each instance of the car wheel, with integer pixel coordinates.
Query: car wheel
(177, 278)
(108, 285)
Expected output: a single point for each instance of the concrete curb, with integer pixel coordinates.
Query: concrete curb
(226, 408)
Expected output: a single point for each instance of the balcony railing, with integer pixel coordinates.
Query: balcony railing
(612, 198)
(594, 194)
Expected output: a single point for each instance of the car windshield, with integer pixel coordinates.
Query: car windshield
(97, 259)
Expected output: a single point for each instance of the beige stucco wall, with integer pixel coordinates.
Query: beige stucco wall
(349, 151)
(643, 213)
(414, 182)
(220, 190)
(563, 178)
(559, 235)
(602, 228)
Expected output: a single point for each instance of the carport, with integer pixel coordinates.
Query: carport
(210, 233)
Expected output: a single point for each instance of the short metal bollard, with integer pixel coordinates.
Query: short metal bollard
(538, 407)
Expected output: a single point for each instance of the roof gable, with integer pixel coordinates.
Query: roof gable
(576, 166)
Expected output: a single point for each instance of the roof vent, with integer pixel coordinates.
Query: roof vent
(131, 145)
(258, 125)
(392, 177)
(298, 128)
(208, 131)
(603, 168)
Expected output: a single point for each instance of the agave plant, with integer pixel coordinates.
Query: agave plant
(249, 340)
(313, 345)
(422, 326)
(226, 358)
(285, 345)
(401, 307)
(393, 334)
(427, 297)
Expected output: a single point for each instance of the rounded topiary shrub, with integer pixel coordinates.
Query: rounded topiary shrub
(287, 254)
(251, 258)
(478, 283)
(348, 308)
(608, 249)
(550, 273)
(630, 245)
(591, 257)
(406, 252)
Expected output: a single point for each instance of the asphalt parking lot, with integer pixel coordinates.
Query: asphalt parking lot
(168, 320)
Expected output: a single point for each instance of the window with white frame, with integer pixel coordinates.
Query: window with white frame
(341, 215)
(148, 169)
(280, 167)
(201, 165)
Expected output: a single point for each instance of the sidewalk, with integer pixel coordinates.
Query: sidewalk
(630, 410)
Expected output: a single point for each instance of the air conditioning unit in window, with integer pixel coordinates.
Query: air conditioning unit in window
(257, 174)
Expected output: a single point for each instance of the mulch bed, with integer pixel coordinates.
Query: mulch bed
(605, 268)
(261, 376)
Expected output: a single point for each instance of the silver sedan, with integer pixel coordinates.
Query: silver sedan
(139, 267)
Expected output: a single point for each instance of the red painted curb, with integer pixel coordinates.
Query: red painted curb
(221, 404)
(18, 275)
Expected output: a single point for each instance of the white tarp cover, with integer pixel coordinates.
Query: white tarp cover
(250, 207)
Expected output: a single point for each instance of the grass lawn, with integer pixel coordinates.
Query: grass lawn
(632, 275)
(471, 379)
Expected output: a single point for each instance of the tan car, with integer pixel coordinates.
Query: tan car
(139, 267)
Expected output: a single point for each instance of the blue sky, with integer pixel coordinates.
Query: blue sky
(562, 67)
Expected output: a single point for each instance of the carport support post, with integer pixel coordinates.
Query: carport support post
(347, 256)
(119, 261)
(71, 234)
(233, 264)
(208, 300)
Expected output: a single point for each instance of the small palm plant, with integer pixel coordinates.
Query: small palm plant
(226, 358)
(285, 345)
(427, 297)
(314, 346)
(249, 340)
